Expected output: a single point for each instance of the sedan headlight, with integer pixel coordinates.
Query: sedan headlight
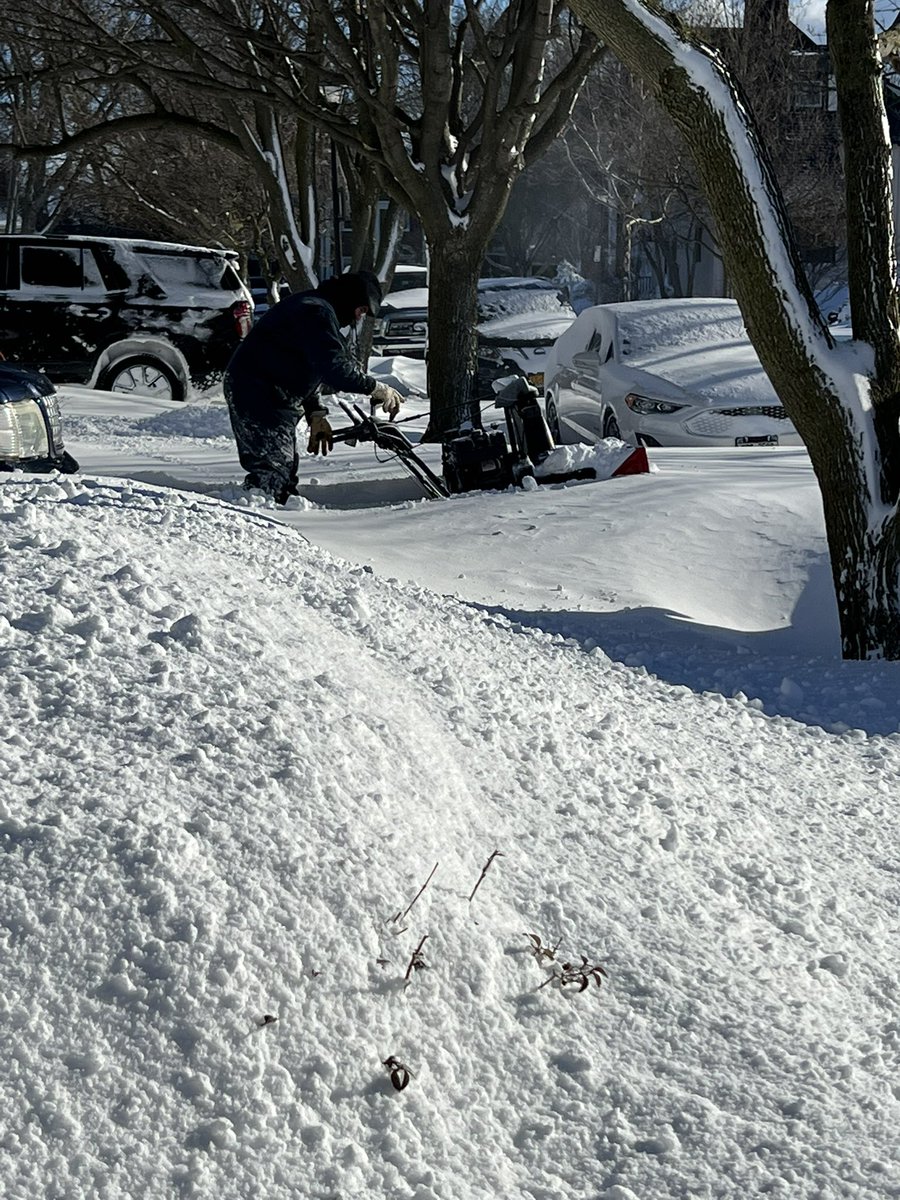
(645, 404)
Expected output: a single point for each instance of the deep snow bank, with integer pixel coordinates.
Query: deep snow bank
(232, 759)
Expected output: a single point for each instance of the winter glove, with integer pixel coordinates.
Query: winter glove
(321, 439)
(389, 398)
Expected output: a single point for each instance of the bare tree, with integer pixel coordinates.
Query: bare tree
(844, 400)
(630, 178)
(452, 101)
(38, 191)
(448, 101)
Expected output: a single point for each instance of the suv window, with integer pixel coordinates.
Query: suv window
(190, 270)
(58, 268)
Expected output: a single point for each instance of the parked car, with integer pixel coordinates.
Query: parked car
(663, 373)
(121, 315)
(402, 324)
(30, 431)
(407, 277)
(521, 319)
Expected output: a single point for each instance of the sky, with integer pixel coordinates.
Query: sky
(811, 15)
(258, 763)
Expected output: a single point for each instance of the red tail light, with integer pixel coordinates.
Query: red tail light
(242, 312)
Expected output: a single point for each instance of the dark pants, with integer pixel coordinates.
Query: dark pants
(264, 423)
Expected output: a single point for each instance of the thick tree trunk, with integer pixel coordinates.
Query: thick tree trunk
(454, 265)
(847, 419)
(865, 564)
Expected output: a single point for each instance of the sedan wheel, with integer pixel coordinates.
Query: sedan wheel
(142, 375)
(611, 427)
(553, 421)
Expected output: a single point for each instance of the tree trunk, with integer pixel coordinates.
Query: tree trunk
(454, 265)
(865, 565)
(264, 147)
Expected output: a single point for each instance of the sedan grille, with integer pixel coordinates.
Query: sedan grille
(727, 422)
(775, 411)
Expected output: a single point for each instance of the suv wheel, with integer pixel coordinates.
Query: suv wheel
(142, 375)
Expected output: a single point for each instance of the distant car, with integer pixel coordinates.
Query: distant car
(407, 277)
(663, 373)
(530, 310)
(30, 431)
(521, 319)
(401, 326)
(123, 315)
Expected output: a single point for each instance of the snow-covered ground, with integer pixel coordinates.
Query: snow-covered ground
(238, 740)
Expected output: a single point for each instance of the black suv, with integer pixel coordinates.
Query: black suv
(121, 315)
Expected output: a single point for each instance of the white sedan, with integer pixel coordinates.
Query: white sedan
(663, 373)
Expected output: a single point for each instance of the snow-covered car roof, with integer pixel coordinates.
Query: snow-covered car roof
(504, 294)
(523, 283)
(135, 244)
(535, 328)
(662, 336)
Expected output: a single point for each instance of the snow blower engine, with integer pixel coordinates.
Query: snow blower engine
(473, 459)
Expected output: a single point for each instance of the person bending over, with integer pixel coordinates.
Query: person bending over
(275, 376)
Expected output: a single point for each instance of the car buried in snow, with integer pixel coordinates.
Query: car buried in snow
(662, 373)
(519, 327)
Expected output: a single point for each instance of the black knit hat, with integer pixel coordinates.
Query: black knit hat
(347, 293)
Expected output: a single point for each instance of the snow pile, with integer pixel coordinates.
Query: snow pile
(191, 421)
(202, 421)
(603, 458)
(232, 761)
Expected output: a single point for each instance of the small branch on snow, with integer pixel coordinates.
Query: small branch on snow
(484, 871)
(417, 962)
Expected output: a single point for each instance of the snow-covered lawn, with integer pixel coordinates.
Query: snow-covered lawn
(238, 740)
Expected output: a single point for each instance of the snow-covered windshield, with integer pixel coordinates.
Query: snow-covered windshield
(645, 330)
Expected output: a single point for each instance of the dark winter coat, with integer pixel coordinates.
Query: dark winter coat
(296, 347)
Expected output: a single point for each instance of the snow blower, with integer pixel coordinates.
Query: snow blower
(493, 458)
(477, 459)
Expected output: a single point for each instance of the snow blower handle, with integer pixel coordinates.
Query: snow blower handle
(387, 437)
(362, 428)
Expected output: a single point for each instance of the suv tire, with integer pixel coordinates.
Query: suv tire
(142, 375)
